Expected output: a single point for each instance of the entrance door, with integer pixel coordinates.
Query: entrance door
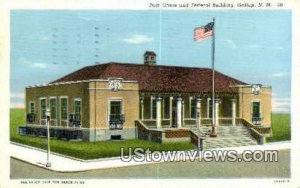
(256, 113)
(174, 118)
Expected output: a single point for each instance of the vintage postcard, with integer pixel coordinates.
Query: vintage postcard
(150, 93)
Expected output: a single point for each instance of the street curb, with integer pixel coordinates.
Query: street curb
(279, 145)
(114, 158)
(66, 156)
(74, 158)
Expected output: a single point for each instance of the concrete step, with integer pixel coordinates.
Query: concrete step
(227, 136)
(230, 142)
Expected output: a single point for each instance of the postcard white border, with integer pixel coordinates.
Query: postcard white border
(8, 5)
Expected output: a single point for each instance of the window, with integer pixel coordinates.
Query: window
(193, 108)
(30, 117)
(77, 110)
(116, 118)
(153, 113)
(53, 108)
(256, 116)
(256, 109)
(63, 109)
(115, 110)
(31, 108)
(43, 108)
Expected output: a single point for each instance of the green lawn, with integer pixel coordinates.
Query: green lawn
(93, 150)
(280, 127)
(86, 150)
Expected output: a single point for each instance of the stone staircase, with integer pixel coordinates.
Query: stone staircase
(227, 136)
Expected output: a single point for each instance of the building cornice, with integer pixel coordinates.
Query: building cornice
(76, 82)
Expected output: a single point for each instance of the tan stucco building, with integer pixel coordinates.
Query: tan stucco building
(103, 101)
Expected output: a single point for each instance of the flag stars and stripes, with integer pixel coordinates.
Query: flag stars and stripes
(203, 32)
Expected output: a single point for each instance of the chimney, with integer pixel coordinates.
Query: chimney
(149, 58)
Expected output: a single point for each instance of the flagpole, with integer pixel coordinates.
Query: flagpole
(213, 131)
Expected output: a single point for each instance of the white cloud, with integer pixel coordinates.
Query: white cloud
(276, 48)
(17, 105)
(280, 74)
(44, 38)
(39, 65)
(281, 104)
(17, 95)
(87, 18)
(31, 63)
(254, 46)
(230, 43)
(138, 39)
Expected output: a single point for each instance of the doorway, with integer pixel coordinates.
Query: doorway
(174, 114)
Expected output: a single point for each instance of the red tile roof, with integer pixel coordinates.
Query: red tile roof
(157, 78)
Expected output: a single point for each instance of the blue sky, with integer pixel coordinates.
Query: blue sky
(252, 46)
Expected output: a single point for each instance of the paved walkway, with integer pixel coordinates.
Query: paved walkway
(65, 164)
(167, 170)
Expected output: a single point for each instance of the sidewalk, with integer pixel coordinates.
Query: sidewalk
(67, 164)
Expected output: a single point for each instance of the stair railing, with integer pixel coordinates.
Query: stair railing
(260, 138)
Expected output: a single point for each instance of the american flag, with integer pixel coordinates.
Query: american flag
(203, 32)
